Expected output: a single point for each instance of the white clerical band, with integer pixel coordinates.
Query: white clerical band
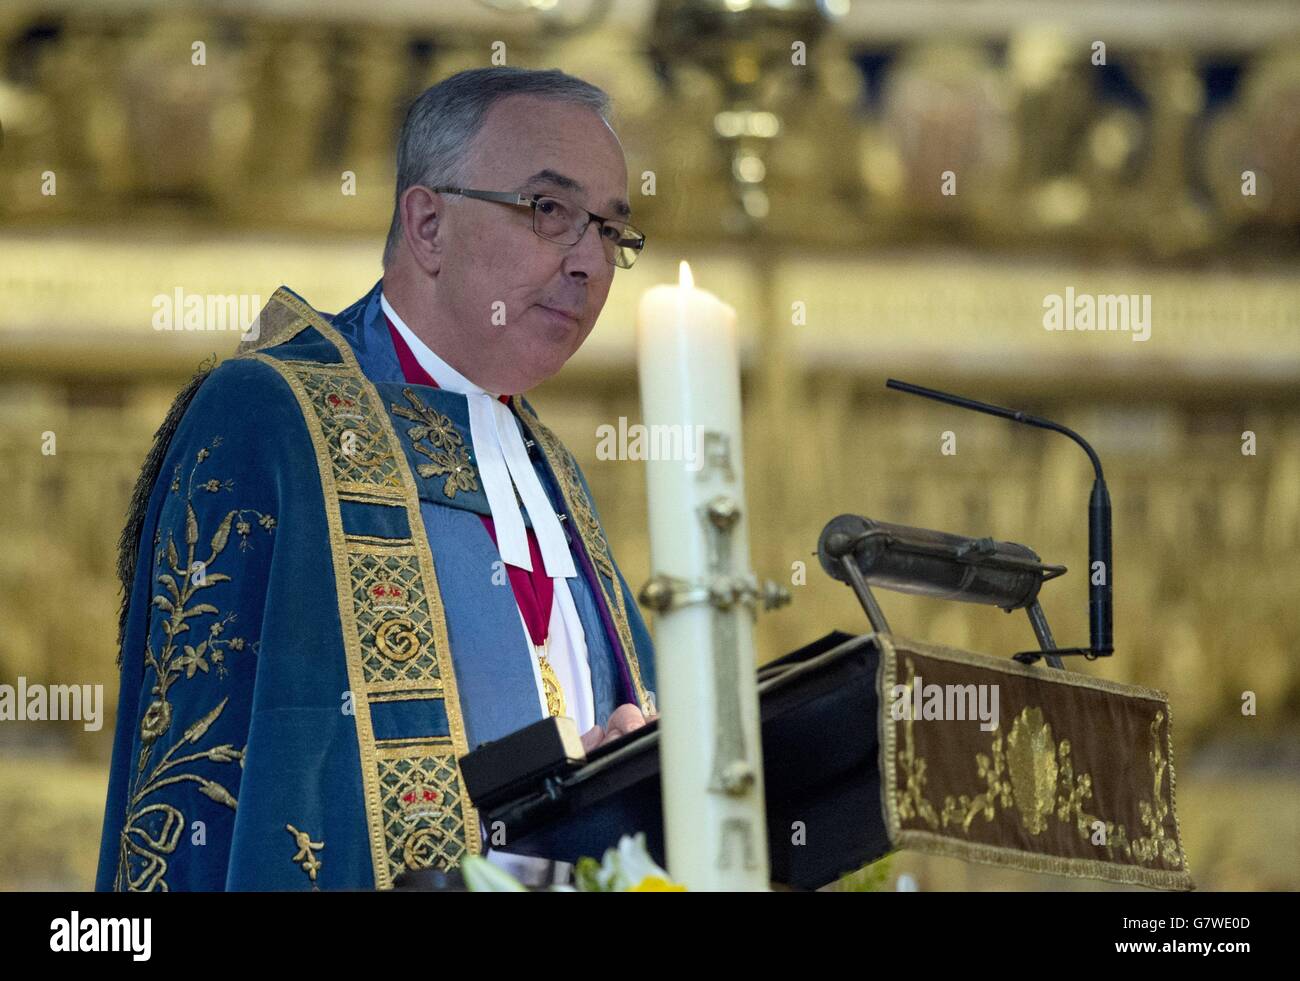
(550, 536)
(499, 448)
(512, 541)
(501, 457)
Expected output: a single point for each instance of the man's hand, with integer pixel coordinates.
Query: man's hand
(624, 719)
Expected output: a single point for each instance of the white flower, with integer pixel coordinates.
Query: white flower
(629, 866)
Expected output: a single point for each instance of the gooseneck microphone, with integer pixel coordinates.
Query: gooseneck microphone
(1100, 577)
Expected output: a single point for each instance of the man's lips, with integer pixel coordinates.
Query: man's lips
(570, 314)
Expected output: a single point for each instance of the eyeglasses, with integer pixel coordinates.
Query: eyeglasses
(561, 221)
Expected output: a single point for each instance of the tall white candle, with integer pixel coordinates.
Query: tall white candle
(711, 756)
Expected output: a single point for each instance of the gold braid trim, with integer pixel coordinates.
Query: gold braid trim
(403, 833)
(579, 505)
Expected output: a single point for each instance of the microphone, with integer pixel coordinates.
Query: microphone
(1100, 578)
(933, 563)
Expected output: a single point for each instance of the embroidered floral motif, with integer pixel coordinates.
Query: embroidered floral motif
(446, 446)
(306, 854)
(152, 831)
(1033, 775)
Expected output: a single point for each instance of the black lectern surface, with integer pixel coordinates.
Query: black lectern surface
(818, 707)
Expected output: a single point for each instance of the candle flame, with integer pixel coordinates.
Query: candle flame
(684, 278)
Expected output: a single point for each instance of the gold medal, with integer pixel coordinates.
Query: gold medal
(550, 680)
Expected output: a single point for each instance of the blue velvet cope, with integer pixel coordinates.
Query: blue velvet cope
(236, 760)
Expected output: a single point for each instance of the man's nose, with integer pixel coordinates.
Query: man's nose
(587, 256)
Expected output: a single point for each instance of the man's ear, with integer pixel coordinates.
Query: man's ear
(421, 211)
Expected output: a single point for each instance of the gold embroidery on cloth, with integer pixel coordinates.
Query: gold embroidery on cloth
(413, 694)
(360, 458)
(578, 504)
(392, 616)
(397, 640)
(1031, 760)
(1030, 773)
(306, 854)
(372, 675)
(423, 819)
(446, 446)
(151, 832)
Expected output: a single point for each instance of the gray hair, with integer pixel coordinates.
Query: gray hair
(441, 124)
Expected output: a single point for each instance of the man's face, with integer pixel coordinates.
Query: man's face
(493, 268)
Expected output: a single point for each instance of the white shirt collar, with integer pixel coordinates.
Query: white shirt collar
(503, 464)
(444, 374)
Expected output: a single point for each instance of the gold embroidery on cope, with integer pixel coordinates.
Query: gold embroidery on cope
(442, 827)
(446, 446)
(395, 636)
(577, 503)
(392, 614)
(306, 854)
(422, 814)
(151, 832)
(358, 452)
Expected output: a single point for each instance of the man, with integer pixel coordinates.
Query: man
(355, 553)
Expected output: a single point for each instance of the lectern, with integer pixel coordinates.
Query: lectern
(1076, 780)
(873, 743)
